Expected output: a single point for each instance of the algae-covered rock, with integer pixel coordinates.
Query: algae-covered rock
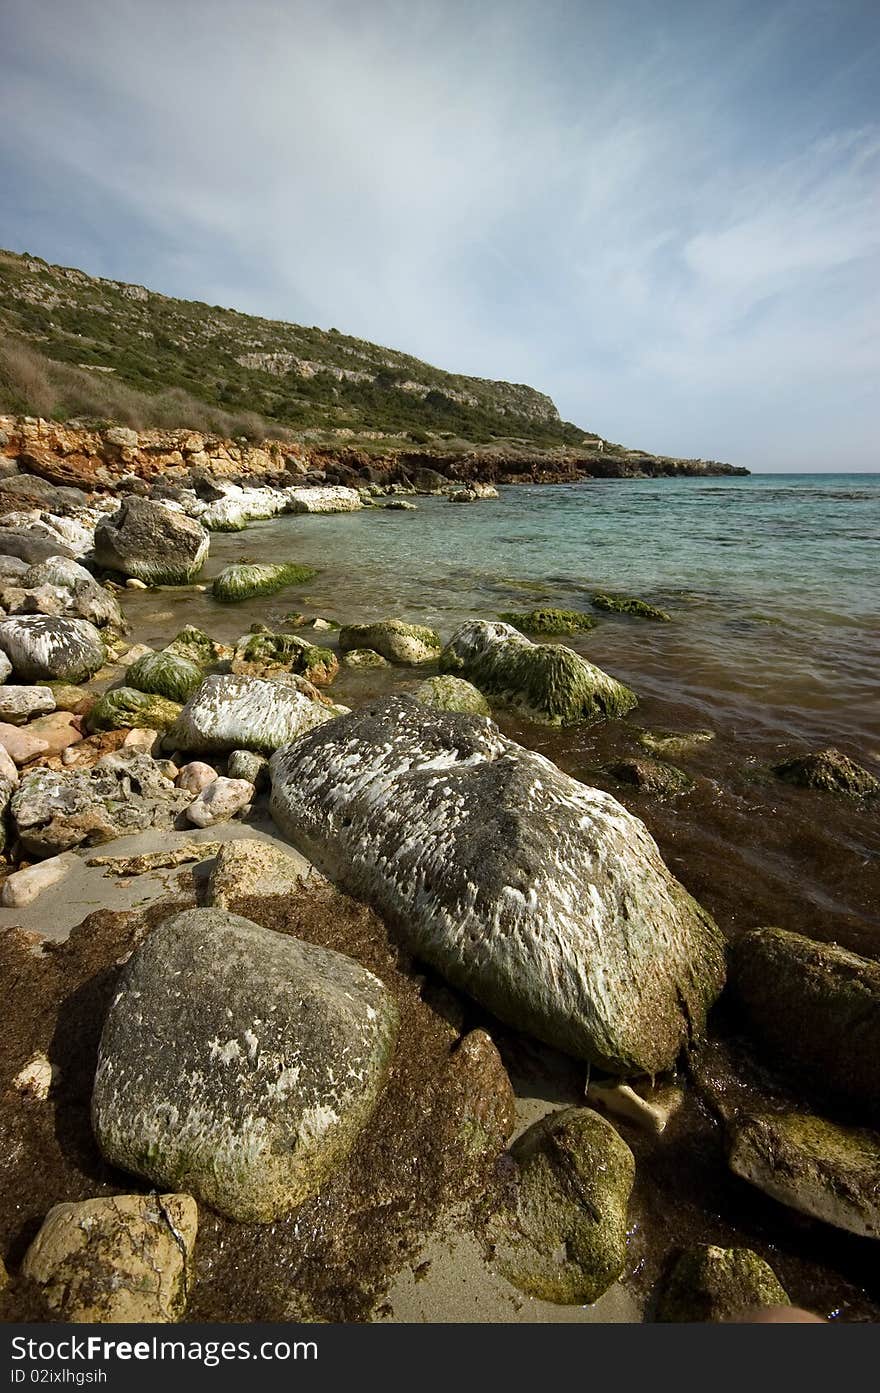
(196, 646)
(816, 1008)
(127, 707)
(709, 1283)
(124, 1258)
(674, 744)
(542, 898)
(481, 1096)
(268, 654)
(42, 648)
(240, 1059)
(152, 543)
(449, 693)
(229, 712)
(165, 674)
(812, 1165)
(408, 644)
(629, 604)
(565, 1239)
(545, 682)
(549, 622)
(651, 776)
(363, 658)
(69, 697)
(246, 764)
(830, 771)
(243, 581)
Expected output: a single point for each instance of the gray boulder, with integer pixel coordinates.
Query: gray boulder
(84, 597)
(152, 543)
(241, 1060)
(43, 648)
(546, 682)
(542, 898)
(31, 546)
(245, 713)
(54, 810)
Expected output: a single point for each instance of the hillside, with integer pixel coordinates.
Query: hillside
(75, 346)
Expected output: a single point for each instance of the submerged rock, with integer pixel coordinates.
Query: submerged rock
(449, 693)
(54, 810)
(831, 771)
(363, 658)
(243, 581)
(119, 1259)
(408, 644)
(152, 543)
(829, 1172)
(816, 1008)
(165, 674)
(126, 707)
(718, 1284)
(546, 682)
(542, 898)
(241, 1059)
(42, 648)
(548, 622)
(628, 604)
(673, 744)
(651, 776)
(245, 713)
(565, 1240)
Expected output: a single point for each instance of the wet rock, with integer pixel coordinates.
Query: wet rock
(452, 694)
(650, 776)
(816, 1008)
(21, 744)
(565, 1240)
(543, 899)
(245, 764)
(545, 682)
(82, 596)
(125, 706)
(19, 704)
(220, 800)
(165, 674)
(234, 713)
(150, 542)
(244, 581)
(54, 810)
(829, 1172)
(718, 1284)
(250, 867)
(363, 658)
(42, 648)
(196, 776)
(462, 496)
(830, 771)
(266, 654)
(549, 622)
(482, 1096)
(399, 505)
(240, 1058)
(671, 744)
(115, 1260)
(649, 1114)
(22, 887)
(628, 604)
(408, 644)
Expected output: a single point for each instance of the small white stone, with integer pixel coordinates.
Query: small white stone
(220, 801)
(134, 584)
(621, 1100)
(196, 777)
(143, 739)
(23, 887)
(36, 1078)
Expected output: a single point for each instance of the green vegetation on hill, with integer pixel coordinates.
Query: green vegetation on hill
(77, 345)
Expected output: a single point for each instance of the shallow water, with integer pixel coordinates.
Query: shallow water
(775, 647)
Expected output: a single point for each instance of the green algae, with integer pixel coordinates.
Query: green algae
(549, 622)
(630, 604)
(718, 1284)
(165, 674)
(243, 580)
(126, 708)
(448, 693)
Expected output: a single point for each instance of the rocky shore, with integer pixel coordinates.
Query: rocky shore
(385, 973)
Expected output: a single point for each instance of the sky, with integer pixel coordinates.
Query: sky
(665, 213)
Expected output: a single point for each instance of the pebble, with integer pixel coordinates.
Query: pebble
(23, 887)
(196, 777)
(220, 801)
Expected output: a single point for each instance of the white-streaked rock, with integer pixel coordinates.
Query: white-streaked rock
(43, 648)
(233, 713)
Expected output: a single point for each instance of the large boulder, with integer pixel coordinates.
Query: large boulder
(84, 597)
(812, 1165)
(542, 898)
(42, 648)
(409, 644)
(152, 543)
(815, 1007)
(240, 1062)
(245, 713)
(564, 1240)
(54, 810)
(126, 1258)
(545, 682)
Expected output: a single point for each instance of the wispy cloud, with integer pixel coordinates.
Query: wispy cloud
(670, 223)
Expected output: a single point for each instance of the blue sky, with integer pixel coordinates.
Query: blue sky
(666, 215)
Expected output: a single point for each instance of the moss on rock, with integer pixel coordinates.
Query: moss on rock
(165, 674)
(267, 654)
(717, 1284)
(548, 622)
(830, 771)
(449, 693)
(408, 644)
(242, 581)
(125, 707)
(630, 604)
(672, 744)
(363, 658)
(196, 646)
(651, 776)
